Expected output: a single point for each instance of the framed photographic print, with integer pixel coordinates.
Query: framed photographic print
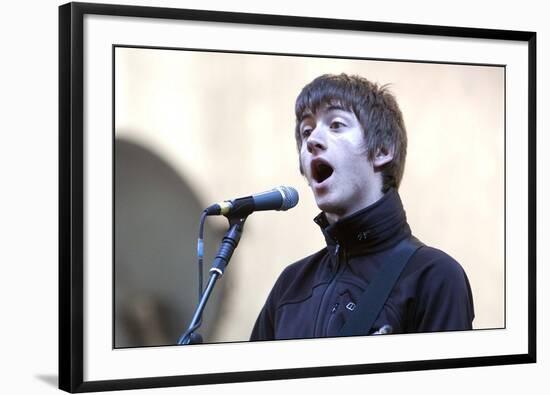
(165, 112)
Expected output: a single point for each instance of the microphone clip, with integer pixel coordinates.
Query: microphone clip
(238, 208)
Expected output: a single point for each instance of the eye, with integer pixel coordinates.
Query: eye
(306, 132)
(337, 125)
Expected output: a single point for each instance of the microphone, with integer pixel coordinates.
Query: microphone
(281, 199)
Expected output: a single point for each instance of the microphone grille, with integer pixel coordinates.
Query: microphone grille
(290, 197)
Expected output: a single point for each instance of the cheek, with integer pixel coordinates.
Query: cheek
(303, 162)
(360, 170)
(302, 168)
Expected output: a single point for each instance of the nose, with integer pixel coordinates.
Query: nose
(316, 140)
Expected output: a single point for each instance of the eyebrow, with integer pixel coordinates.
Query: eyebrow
(331, 107)
(336, 107)
(304, 116)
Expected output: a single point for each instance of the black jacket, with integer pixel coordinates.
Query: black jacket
(314, 296)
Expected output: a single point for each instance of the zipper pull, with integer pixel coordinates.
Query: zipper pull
(337, 249)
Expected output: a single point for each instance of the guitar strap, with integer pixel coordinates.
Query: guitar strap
(374, 297)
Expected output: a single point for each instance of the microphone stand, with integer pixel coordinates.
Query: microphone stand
(228, 245)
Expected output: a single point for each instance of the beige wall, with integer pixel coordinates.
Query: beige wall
(225, 123)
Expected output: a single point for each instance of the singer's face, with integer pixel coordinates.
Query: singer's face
(334, 160)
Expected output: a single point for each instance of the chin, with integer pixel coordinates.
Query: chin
(327, 205)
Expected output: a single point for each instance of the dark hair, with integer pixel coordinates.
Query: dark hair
(374, 106)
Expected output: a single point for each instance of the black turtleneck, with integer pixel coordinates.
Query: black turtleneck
(375, 228)
(314, 296)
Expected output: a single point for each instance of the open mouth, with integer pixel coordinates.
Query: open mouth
(320, 170)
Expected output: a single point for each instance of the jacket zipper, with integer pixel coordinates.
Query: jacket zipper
(342, 263)
(331, 318)
(319, 330)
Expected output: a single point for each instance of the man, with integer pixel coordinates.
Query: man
(352, 144)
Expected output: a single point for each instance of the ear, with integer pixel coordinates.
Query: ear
(383, 155)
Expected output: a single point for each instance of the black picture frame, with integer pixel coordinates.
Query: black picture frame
(71, 194)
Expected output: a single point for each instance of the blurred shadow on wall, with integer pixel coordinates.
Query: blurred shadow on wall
(156, 225)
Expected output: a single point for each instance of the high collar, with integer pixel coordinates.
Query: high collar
(375, 228)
